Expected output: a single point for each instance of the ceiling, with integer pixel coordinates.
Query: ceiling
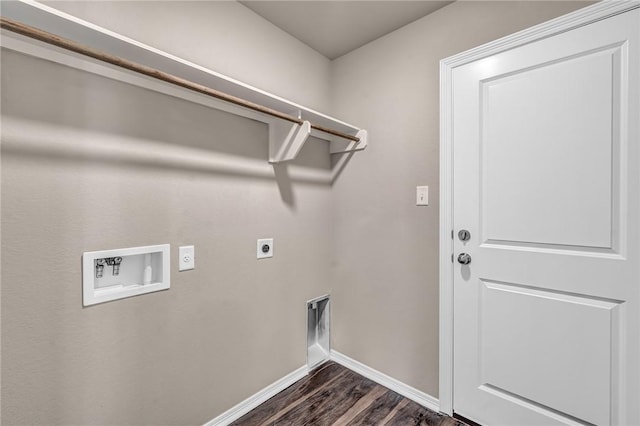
(334, 28)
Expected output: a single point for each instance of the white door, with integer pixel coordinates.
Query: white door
(546, 179)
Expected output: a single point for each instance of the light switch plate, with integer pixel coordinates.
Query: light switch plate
(264, 248)
(422, 195)
(186, 259)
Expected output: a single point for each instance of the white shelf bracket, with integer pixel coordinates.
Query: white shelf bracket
(286, 140)
(340, 145)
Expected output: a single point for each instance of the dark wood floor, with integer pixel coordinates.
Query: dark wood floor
(335, 396)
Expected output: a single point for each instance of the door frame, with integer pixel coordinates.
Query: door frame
(581, 17)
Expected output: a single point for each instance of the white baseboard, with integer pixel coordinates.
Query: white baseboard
(273, 389)
(397, 386)
(253, 401)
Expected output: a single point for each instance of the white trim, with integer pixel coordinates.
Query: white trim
(397, 386)
(578, 18)
(273, 389)
(445, 390)
(581, 17)
(255, 400)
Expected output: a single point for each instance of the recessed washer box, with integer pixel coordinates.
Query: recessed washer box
(115, 274)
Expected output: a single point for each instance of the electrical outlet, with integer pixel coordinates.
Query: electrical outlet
(264, 248)
(187, 259)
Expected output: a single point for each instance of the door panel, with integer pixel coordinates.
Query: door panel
(533, 356)
(546, 159)
(537, 138)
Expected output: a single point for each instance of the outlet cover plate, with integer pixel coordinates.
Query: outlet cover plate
(264, 248)
(186, 260)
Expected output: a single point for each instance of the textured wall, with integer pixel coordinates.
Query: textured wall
(385, 270)
(89, 163)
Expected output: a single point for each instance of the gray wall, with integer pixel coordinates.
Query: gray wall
(385, 270)
(89, 163)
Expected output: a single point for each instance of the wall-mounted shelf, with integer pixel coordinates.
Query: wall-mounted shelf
(82, 45)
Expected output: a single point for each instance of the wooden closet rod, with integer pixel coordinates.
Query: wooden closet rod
(35, 33)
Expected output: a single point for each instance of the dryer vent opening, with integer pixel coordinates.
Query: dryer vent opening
(318, 328)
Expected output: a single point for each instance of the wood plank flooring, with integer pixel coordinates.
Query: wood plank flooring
(333, 395)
